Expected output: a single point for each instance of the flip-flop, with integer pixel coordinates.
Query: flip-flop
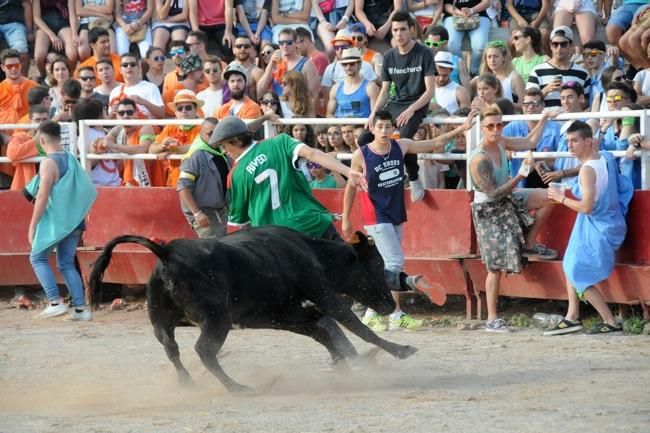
(434, 291)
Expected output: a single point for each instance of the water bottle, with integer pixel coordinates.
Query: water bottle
(544, 321)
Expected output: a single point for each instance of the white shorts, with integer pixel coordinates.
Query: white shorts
(575, 6)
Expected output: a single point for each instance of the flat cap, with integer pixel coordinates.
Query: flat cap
(228, 128)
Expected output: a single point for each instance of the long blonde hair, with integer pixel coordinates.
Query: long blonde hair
(507, 58)
(298, 100)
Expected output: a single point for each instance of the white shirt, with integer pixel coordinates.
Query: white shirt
(105, 172)
(212, 99)
(143, 89)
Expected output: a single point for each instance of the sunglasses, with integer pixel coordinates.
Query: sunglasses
(160, 58)
(517, 37)
(244, 46)
(359, 38)
(268, 102)
(311, 165)
(177, 52)
(186, 108)
(267, 53)
(287, 43)
(12, 67)
(129, 64)
(562, 44)
(434, 44)
(341, 47)
(123, 113)
(619, 78)
(211, 70)
(592, 53)
(496, 43)
(88, 78)
(69, 101)
(494, 126)
(616, 98)
(531, 103)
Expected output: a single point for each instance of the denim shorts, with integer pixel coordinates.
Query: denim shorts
(15, 34)
(623, 15)
(266, 34)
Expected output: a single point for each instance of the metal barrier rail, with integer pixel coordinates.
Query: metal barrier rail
(79, 143)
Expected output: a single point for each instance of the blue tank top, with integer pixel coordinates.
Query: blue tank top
(455, 75)
(277, 86)
(384, 200)
(356, 104)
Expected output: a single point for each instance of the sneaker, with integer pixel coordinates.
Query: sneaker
(565, 326)
(405, 323)
(375, 323)
(539, 251)
(52, 311)
(497, 325)
(417, 190)
(83, 316)
(434, 291)
(605, 328)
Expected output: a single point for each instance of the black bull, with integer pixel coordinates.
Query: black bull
(258, 278)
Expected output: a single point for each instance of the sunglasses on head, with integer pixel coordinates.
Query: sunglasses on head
(129, 64)
(288, 42)
(211, 70)
(494, 126)
(434, 44)
(177, 52)
(123, 113)
(268, 102)
(311, 165)
(13, 67)
(244, 46)
(341, 47)
(592, 53)
(88, 78)
(159, 58)
(186, 108)
(562, 44)
(496, 43)
(616, 98)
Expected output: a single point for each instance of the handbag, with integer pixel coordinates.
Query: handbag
(463, 24)
(139, 35)
(327, 6)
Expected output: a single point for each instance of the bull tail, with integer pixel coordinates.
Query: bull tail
(102, 262)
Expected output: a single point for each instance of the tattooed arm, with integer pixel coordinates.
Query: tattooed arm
(482, 172)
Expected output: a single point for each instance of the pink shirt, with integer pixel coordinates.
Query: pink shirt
(320, 60)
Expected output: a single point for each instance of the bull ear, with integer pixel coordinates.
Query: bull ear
(363, 239)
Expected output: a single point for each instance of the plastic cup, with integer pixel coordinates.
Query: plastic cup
(559, 187)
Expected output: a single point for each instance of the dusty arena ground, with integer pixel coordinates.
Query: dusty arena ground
(111, 375)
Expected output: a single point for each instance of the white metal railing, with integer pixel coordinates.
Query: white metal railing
(79, 144)
(72, 145)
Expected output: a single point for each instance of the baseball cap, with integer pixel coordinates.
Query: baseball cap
(444, 59)
(358, 28)
(228, 128)
(562, 31)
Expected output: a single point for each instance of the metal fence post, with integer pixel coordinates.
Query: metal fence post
(645, 154)
(472, 143)
(83, 159)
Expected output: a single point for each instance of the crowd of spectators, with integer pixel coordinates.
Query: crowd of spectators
(305, 59)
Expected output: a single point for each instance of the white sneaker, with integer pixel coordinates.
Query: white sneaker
(417, 190)
(84, 316)
(52, 311)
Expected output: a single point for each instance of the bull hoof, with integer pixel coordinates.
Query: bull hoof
(237, 388)
(406, 351)
(186, 380)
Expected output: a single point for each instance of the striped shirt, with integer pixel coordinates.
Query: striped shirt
(545, 73)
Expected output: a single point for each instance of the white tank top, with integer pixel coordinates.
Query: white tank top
(507, 87)
(602, 178)
(446, 96)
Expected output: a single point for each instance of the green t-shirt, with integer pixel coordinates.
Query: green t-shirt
(328, 183)
(266, 188)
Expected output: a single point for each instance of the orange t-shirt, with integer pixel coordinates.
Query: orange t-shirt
(92, 61)
(22, 146)
(369, 55)
(169, 97)
(13, 100)
(156, 169)
(249, 110)
(185, 138)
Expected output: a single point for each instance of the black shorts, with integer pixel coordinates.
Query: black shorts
(84, 26)
(55, 21)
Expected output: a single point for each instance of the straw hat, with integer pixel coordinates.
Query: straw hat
(185, 96)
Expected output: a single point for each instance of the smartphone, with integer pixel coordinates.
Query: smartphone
(558, 78)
